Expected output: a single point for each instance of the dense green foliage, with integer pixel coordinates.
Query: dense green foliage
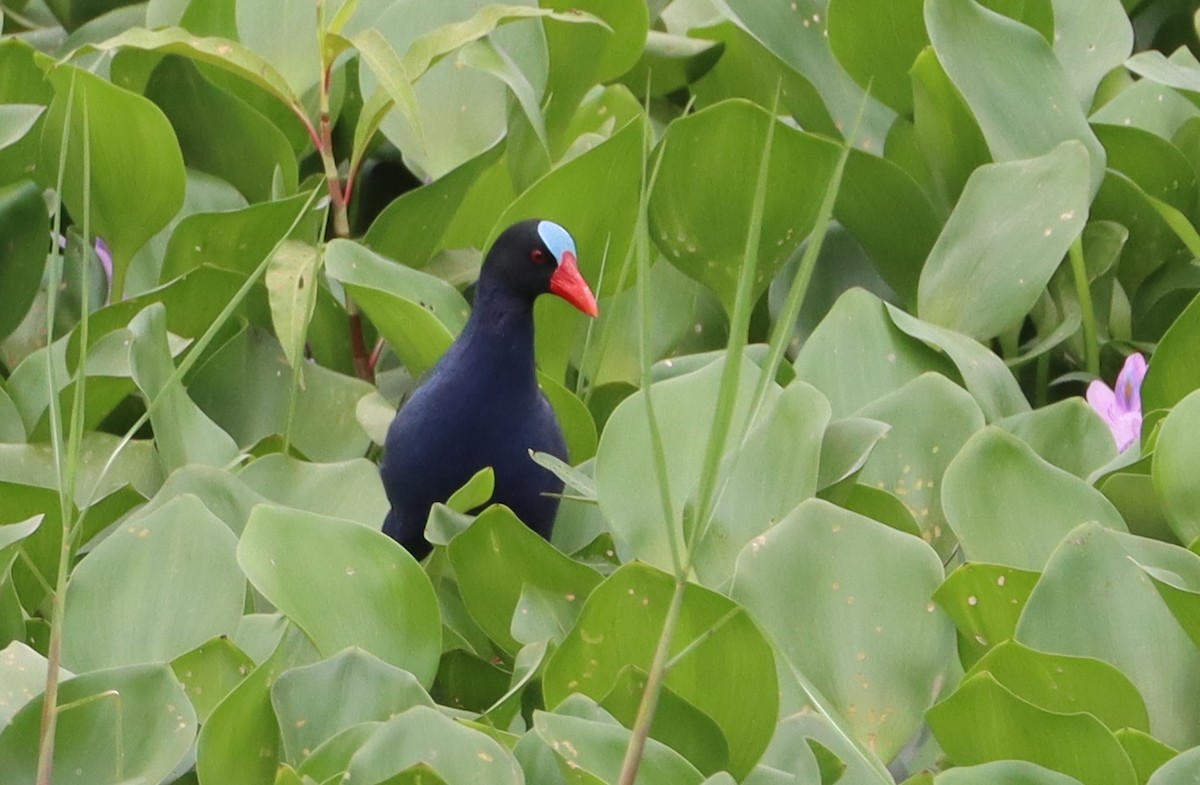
(837, 508)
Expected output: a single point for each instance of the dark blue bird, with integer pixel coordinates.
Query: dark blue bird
(481, 405)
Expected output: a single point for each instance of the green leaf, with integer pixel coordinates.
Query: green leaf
(133, 599)
(983, 276)
(16, 120)
(423, 737)
(1068, 434)
(947, 133)
(498, 561)
(22, 678)
(131, 724)
(24, 229)
(877, 45)
(1175, 457)
(1179, 769)
(316, 702)
(974, 44)
(1094, 600)
(866, 589)
(1090, 42)
(118, 144)
(211, 671)
(349, 490)
(1008, 506)
(284, 35)
(417, 313)
(183, 433)
(344, 585)
(983, 721)
(699, 217)
(206, 119)
(729, 675)
(671, 62)
(1173, 375)
(292, 289)
(1145, 752)
(598, 748)
(985, 601)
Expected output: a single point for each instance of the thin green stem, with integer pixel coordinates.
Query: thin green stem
(699, 640)
(654, 683)
(1083, 292)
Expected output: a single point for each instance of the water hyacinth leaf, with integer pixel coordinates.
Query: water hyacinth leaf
(985, 601)
(845, 448)
(24, 227)
(1158, 167)
(973, 44)
(877, 46)
(834, 558)
(1093, 600)
(1147, 753)
(983, 721)
(184, 434)
(983, 373)
(130, 149)
(417, 313)
(1065, 684)
(308, 565)
(468, 683)
(1175, 457)
(425, 738)
(930, 418)
(316, 702)
(1089, 43)
(22, 678)
(794, 750)
(620, 626)
(349, 490)
(292, 290)
(671, 62)
(983, 276)
(1013, 772)
(700, 217)
(1009, 506)
(1182, 767)
(200, 111)
(1172, 375)
(598, 748)
(1068, 434)
(774, 469)
(625, 476)
(578, 426)
(856, 355)
(16, 120)
(181, 549)
(498, 559)
(210, 671)
(271, 30)
(946, 132)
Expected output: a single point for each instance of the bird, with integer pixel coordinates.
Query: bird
(480, 405)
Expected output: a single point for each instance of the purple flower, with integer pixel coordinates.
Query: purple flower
(1121, 408)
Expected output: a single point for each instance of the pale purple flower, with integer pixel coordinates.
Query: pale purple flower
(1121, 409)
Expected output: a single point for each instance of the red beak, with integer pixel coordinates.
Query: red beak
(568, 284)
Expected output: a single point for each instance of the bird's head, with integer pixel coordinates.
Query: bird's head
(535, 257)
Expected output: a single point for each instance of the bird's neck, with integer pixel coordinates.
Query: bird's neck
(498, 338)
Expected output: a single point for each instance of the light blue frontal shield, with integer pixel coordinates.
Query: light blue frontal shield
(557, 239)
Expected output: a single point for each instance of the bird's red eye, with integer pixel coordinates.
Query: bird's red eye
(537, 255)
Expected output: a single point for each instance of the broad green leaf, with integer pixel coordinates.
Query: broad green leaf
(856, 355)
(1093, 600)
(983, 373)
(772, 471)
(344, 585)
(578, 425)
(1012, 772)
(315, 702)
(598, 748)
(133, 599)
(1068, 434)
(498, 560)
(985, 601)
(983, 276)
(1090, 42)
(946, 132)
(292, 289)
(1172, 375)
(625, 475)
(1179, 769)
(24, 227)
(349, 490)
(183, 433)
(1066, 685)
(1156, 165)
(424, 737)
(117, 144)
(974, 44)
(671, 62)
(700, 217)
(239, 742)
(418, 314)
(877, 45)
(283, 34)
(206, 119)
(121, 725)
(930, 418)
(16, 120)
(1175, 456)
(794, 750)
(865, 590)
(730, 675)
(983, 721)
(1147, 753)
(1008, 506)
(210, 671)
(22, 678)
